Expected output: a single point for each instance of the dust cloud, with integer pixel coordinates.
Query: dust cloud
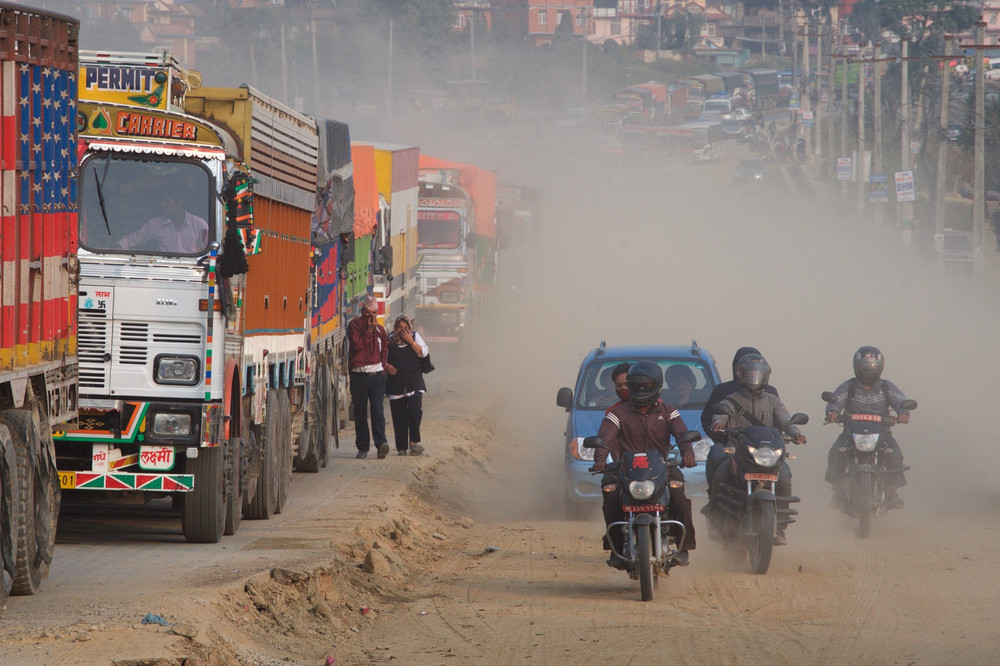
(633, 256)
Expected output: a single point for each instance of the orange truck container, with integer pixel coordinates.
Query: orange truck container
(38, 330)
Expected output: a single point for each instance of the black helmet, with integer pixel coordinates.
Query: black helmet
(644, 383)
(753, 373)
(868, 364)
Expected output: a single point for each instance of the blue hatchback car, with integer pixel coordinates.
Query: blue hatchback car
(594, 392)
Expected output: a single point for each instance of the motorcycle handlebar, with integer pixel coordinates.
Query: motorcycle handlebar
(614, 465)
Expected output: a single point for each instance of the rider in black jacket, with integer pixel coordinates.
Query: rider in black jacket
(717, 453)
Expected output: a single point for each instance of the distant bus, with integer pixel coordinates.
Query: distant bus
(693, 141)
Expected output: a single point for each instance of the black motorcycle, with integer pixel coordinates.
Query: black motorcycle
(642, 481)
(747, 515)
(865, 436)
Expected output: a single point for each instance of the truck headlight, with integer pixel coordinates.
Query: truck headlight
(171, 425)
(182, 370)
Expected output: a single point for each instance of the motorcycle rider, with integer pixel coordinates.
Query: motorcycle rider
(867, 393)
(644, 423)
(749, 405)
(717, 453)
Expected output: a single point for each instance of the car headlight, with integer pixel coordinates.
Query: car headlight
(765, 457)
(701, 448)
(641, 490)
(866, 443)
(578, 452)
(171, 425)
(182, 370)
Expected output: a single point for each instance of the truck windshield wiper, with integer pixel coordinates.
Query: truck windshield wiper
(99, 182)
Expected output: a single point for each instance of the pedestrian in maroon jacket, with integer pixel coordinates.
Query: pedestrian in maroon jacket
(367, 350)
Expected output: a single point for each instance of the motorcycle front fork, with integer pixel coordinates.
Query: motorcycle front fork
(660, 539)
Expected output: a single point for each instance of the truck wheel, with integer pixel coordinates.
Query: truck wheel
(35, 502)
(307, 457)
(204, 517)
(234, 501)
(285, 449)
(262, 506)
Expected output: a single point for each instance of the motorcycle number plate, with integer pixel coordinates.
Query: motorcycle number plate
(753, 476)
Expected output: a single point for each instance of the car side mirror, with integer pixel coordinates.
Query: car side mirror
(564, 398)
(799, 419)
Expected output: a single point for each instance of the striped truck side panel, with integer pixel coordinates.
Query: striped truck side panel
(37, 189)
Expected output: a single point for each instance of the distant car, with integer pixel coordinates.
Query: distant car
(594, 393)
(735, 129)
(750, 171)
(739, 114)
(956, 251)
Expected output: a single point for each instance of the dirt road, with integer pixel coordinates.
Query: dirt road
(463, 555)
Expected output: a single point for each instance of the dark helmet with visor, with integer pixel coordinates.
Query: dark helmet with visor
(868, 364)
(753, 373)
(645, 380)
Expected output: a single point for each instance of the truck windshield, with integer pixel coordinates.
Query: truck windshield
(438, 230)
(139, 205)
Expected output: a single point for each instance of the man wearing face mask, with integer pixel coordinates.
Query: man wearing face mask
(619, 377)
(367, 352)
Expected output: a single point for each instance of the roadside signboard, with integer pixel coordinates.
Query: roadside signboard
(878, 188)
(905, 191)
(844, 168)
(807, 118)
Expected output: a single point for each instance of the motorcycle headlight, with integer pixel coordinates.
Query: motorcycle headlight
(765, 457)
(701, 448)
(181, 370)
(866, 443)
(641, 490)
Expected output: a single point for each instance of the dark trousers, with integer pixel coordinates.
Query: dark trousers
(837, 462)
(679, 509)
(716, 455)
(407, 412)
(365, 390)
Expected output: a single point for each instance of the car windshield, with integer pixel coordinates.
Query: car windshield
(138, 205)
(687, 385)
(749, 164)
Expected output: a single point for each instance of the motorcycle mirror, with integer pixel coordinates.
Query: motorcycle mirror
(828, 397)
(592, 442)
(564, 398)
(799, 419)
(689, 437)
(908, 405)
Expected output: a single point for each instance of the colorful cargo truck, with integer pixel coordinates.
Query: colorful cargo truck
(456, 228)
(38, 325)
(191, 342)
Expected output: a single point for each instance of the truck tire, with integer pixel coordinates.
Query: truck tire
(234, 501)
(204, 516)
(285, 449)
(35, 495)
(262, 506)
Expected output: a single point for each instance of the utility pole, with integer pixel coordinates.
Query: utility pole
(862, 185)
(312, 34)
(942, 165)
(905, 212)
(388, 87)
(877, 148)
(472, 43)
(979, 170)
(820, 106)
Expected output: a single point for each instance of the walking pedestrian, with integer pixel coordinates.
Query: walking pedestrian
(367, 353)
(405, 385)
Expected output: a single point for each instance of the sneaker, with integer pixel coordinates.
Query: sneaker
(616, 562)
(362, 454)
(416, 449)
(682, 558)
(779, 539)
(402, 453)
(383, 450)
